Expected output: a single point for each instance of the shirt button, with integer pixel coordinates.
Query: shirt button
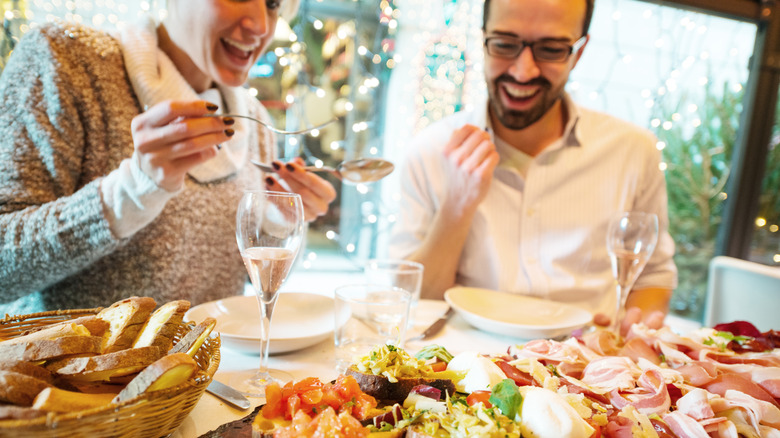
(530, 212)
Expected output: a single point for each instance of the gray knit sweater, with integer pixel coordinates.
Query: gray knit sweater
(66, 105)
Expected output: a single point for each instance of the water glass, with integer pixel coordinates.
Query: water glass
(368, 315)
(405, 274)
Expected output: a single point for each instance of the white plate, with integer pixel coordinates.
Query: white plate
(515, 315)
(300, 320)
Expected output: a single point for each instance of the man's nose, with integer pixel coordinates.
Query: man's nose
(524, 66)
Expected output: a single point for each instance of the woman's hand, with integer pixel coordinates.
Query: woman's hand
(172, 137)
(315, 192)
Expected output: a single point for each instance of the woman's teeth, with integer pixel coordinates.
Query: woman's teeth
(246, 48)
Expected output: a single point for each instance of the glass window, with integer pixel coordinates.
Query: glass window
(680, 74)
(765, 245)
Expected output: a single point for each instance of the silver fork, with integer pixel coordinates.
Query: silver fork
(272, 128)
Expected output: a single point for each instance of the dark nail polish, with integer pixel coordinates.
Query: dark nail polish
(229, 132)
(289, 167)
(228, 120)
(270, 181)
(276, 165)
(211, 107)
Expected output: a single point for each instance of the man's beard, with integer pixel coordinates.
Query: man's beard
(517, 120)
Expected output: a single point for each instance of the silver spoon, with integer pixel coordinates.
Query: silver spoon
(362, 170)
(271, 127)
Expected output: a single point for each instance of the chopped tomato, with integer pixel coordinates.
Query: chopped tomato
(438, 366)
(347, 387)
(293, 404)
(479, 396)
(273, 401)
(310, 396)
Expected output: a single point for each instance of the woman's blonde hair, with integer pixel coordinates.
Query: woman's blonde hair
(288, 9)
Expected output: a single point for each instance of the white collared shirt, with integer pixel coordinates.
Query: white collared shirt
(544, 233)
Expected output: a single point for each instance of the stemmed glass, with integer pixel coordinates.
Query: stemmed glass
(631, 239)
(269, 231)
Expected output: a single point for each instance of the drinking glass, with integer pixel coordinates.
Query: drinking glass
(269, 231)
(405, 274)
(368, 315)
(631, 239)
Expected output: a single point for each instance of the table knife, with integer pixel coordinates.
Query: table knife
(228, 394)
(434, 328)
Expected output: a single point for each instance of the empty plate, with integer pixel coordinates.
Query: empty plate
(300, 320)
(516, 315)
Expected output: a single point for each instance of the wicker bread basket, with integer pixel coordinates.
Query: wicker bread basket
(155, 414)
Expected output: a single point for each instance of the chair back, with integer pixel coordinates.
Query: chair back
(742, 290)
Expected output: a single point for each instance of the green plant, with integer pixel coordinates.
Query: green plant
(698, 159)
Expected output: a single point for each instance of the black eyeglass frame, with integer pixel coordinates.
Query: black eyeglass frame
(522, 44)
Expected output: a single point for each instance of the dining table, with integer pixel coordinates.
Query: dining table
(318, 360)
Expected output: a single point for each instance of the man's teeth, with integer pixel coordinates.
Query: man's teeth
(519, 93)
(240, 46)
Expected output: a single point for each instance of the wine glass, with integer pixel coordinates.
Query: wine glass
(269, 231)
(631, 239)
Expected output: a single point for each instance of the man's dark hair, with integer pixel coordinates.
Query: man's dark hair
(585, 24)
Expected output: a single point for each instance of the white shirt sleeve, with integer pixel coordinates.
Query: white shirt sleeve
(131, 199)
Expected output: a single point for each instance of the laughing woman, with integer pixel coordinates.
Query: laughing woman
(115, 179)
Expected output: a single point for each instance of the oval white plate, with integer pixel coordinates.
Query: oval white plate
(515, 315)
(300, 320)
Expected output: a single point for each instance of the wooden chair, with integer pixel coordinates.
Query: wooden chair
(742, 290)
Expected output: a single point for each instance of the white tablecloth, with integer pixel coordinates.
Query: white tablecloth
(318, 361)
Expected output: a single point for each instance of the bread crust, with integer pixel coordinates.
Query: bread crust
(166, 372)
(26, 368)
(20, 389)
(105, 366)
(192, 341)
(161, 326)
(126, 319)
(47, 349)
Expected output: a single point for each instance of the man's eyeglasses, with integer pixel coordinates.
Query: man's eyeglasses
(509, 47)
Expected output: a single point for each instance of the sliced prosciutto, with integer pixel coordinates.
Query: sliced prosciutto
(649, 397)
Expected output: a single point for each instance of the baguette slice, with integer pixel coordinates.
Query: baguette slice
(169, 371)
(105, 366)
(19, 389)
(192, 341)
(59, 400)
(383, 389)
(47, 349)
(161, 326)
(95, 325)
(26, 368)
(55, 331)
(125, 319)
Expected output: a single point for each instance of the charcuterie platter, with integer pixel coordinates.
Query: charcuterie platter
(712, 382)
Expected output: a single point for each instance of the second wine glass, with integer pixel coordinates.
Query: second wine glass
(631, 239)
(269, 232)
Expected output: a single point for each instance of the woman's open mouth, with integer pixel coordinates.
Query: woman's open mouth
(240, 51)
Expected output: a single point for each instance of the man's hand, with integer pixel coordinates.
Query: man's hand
(473, 157)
